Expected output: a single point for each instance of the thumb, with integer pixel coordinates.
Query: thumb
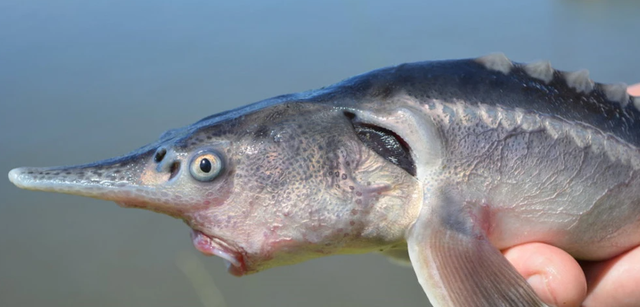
(553, 274)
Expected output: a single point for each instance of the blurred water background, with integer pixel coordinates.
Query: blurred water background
(86, 80)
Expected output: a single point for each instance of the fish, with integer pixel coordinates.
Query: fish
(439, 164)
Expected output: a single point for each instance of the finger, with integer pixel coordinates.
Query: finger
(614, 282)
(634, 90)
(552, 273)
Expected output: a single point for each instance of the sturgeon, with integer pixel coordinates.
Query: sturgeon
(440, 163)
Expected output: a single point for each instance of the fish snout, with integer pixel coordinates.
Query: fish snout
(100, 179)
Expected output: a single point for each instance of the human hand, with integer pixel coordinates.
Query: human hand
(634, 90)
(560, 280)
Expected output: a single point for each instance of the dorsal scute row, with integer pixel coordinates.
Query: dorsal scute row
(577, 80)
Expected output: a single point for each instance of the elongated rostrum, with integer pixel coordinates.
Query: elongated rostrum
(441, 164)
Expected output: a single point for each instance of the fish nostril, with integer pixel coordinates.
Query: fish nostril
(349, 115)
(175, 168)
(160, 155)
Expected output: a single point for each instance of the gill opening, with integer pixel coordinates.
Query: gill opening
(385, 142)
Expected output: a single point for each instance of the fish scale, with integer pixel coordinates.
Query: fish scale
(438, 164)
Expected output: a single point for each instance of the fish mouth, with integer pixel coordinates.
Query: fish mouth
(212, 246)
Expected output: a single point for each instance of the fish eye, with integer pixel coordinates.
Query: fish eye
(205, 166)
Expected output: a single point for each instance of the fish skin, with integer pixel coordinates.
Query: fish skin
(504, 154)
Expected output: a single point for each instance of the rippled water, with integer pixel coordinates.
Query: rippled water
(86, 80)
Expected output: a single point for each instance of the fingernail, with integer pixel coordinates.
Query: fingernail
(539, 285)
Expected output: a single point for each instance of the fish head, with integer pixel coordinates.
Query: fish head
(267, 185)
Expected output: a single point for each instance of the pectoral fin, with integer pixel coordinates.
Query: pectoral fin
(456, 264)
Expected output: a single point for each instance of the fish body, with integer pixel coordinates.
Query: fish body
(440, 163)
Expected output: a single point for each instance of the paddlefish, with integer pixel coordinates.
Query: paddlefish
(441, 164)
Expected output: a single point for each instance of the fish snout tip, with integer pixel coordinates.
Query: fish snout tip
(14, 176)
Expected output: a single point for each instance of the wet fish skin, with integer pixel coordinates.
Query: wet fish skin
(449, 161)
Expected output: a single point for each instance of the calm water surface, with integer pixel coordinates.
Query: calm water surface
(86, 80)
